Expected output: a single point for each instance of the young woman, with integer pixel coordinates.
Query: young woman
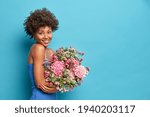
(40, 25)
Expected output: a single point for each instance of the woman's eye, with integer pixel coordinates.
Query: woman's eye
(49, 32)
(40, 33)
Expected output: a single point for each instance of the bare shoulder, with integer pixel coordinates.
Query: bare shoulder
(37, 49)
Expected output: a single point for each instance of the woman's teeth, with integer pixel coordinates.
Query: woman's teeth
(45, 41)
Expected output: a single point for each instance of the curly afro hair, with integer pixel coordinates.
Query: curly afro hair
(38, 18)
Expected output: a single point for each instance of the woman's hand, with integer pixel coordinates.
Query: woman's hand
(47, 88)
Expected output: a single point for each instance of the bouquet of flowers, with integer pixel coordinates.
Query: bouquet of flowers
(64, 69)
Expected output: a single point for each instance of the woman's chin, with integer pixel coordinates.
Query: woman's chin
(46, 45)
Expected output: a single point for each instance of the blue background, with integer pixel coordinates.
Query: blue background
(114, 34)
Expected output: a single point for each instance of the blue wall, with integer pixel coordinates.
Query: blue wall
(114, 34)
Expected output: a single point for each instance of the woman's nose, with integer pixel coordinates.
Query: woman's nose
(45, 36)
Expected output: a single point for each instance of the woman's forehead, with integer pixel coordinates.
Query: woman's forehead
(44, 28)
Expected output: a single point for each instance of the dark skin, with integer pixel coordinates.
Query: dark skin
(36, 57)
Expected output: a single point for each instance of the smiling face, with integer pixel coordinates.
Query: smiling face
(43, 35)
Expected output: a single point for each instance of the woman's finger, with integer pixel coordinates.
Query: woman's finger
(44, 88)
(48, 89)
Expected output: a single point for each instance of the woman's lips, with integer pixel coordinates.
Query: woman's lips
(46, 42)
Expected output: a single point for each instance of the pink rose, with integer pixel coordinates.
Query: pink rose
(80, 71)
(71, 63)
(57, 68)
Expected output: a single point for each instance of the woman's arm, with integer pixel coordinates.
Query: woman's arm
(38, 54)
